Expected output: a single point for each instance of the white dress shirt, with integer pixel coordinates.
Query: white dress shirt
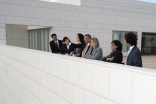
(87, 46)
(130, 48)
(68, 46)
(56, 42)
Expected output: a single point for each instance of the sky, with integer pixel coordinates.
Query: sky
(150, 1)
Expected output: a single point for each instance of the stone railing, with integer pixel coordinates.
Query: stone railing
(35, 77)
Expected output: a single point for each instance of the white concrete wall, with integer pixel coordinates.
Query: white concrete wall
(125, 5)
(17, 35)
(98, 18)
(35, 77)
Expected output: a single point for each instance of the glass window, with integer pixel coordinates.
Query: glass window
(39, 39)
(148, 43)
(119, 35)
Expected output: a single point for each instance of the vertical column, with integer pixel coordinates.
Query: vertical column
(2, 34)
(139, 39)
(51, 31)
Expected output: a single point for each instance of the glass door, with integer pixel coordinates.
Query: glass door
(39, 39)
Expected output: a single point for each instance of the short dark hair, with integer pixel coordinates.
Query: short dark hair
(81, 37)
(88, 35)
(65, 38)
(131, 38)
(118, 44)
(53, 35)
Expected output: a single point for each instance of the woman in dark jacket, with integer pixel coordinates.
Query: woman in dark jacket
(80, 40)
(116, 55)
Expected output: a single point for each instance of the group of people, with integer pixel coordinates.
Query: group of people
(89, 48)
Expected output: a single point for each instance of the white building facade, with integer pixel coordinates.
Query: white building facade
(67, 18)
(29, 76)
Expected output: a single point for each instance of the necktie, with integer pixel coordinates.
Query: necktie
(57, 45)
(84, 51)
(91, 51)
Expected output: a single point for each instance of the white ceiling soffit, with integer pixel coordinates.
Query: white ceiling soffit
(49, 0)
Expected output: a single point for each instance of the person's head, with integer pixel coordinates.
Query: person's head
(80, 38)
(66, 40)
(116, 45)
(94, 42)
(131, 39)
(54, 37)
(87, 38)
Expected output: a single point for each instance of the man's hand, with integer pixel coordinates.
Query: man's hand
(67, 54)
(71, 53)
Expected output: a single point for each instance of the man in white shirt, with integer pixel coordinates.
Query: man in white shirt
(134, 54)
(130, 48)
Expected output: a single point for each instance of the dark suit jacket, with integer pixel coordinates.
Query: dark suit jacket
(82, 46)
(65, 50)
(118, 57)
(134, 57)
(54, 47)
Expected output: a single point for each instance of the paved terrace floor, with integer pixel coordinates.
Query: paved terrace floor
(149, 61)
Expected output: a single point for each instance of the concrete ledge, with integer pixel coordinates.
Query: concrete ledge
(30, 76)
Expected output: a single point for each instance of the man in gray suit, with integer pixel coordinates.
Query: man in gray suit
(134, 54)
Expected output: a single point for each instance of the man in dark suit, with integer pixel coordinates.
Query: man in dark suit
(134, 54)
(55, 44)
(85, 46)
